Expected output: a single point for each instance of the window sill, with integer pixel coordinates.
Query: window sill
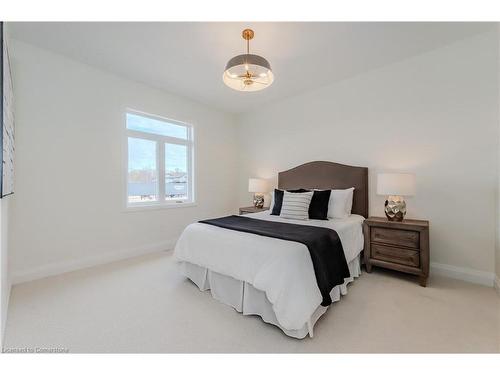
(158, 206)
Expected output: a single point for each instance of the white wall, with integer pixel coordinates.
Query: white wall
(497, 243)
(68, 208)
(4, 270)
(435, 114)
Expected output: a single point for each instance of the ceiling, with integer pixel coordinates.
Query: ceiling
(188, 58)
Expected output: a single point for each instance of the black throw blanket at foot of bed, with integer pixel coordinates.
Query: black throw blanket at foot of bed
(324, 245)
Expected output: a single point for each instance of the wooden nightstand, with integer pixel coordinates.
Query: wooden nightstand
(251, 210)
(398, 245)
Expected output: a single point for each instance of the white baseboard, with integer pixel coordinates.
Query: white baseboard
(465, 274)
(497, 284)
(73, 265)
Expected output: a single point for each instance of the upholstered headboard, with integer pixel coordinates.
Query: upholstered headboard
(328, 175)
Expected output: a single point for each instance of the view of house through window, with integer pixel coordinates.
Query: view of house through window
(159, 163)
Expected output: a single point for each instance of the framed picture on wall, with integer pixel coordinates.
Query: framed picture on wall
(6, 120)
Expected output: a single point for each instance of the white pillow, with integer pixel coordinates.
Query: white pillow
(348, 207)
(340, 204)
(296, 205)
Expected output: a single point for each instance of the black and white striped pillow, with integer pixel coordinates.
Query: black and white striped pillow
(296, 205)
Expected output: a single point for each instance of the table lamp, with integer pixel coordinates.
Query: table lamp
(257, 186)
(395, 186)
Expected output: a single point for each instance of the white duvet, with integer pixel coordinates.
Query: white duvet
(282, 269)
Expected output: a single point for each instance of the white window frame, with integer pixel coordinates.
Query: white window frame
(161, 141)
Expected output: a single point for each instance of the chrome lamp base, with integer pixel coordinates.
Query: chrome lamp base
(395, 208)
(258, 200)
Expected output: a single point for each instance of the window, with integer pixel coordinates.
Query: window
(159, 162)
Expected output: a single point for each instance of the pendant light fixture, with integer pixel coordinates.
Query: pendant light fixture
(248, 72)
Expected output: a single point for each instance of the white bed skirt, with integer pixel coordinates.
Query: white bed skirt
(244, 298)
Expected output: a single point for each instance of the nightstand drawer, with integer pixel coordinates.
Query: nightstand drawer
(396, 237)
(396, 255)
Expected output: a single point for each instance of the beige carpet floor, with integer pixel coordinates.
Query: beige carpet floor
(144, 305)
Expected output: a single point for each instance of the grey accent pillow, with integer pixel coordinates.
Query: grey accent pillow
(296, 205)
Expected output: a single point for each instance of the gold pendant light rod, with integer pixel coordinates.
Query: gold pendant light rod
(247, 34)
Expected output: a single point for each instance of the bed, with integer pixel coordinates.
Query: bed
(271, 277)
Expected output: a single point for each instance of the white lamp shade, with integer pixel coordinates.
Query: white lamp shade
(257, 185)
(396, 184)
